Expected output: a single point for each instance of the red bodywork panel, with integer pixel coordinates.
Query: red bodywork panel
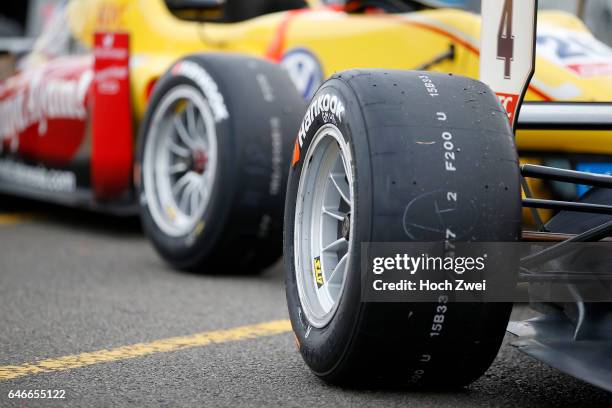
(73, 113)
(112, 144)
(43, 111)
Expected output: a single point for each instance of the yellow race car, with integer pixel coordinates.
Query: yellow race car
(404, 239)
(188, 110)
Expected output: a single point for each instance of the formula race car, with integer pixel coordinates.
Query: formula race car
(187, 110)
(405, 194)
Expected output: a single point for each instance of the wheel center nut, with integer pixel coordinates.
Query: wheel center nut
(199, 161)
(346, 227)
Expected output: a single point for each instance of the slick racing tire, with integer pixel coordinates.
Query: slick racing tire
(395, 156)
(213, 151)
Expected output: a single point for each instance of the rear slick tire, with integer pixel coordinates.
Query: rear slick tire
(213, 151)
(384, 154)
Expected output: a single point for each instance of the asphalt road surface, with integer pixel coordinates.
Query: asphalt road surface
(87, 307)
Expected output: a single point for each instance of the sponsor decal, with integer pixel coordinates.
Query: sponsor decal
(110, 15)
(510, 104)
(107, 50)
(199, 75)
(304, 70)
(265, 87)
(108, 80)
(317, 272)
(193, 235)
(577, 51)
(112, 58)
(38, 177)
(295, 158)
(297, 341)
(276, 175)
(43, 99)
(328, 106)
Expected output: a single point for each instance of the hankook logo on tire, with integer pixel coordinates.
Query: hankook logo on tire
(198, 75)
(326, 105)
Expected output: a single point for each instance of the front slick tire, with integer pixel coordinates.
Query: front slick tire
(414, 157)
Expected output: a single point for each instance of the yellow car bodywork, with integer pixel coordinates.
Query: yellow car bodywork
(340, 41)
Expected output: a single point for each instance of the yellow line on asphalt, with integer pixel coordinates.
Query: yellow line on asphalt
(143, 349)
(8, 219)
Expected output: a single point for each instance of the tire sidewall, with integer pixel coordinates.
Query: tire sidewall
(334, 338)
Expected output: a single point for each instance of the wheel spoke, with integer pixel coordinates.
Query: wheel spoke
(180, 183)
(201, 132)
(191, 119)
(336, 245)
(341, 185)
(334, 213)
(195, 198)
(176, 149)
(183, 134)
(337, 272)
(184, 198)
(204, 190)
(179, 167)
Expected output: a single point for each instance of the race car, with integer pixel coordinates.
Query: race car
(404, 239)
(187, 111)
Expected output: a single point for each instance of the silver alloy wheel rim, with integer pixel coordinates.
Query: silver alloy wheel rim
(180, 161)
(322, 216)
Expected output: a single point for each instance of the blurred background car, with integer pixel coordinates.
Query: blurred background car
(597, 14)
